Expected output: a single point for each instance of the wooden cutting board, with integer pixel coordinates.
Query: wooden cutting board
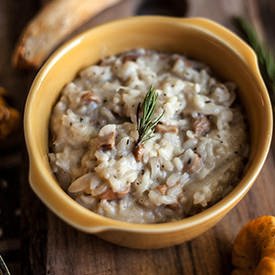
(49, 246)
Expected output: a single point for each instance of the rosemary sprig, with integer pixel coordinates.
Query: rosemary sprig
(145, 124)
(266, 59)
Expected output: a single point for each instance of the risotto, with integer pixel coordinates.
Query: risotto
(195, 157)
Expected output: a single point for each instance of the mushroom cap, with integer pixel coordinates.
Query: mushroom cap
(254, 248)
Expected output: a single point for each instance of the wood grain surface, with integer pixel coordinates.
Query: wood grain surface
(49, 246)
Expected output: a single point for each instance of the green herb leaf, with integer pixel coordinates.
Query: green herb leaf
(266, 59)
(145, 124)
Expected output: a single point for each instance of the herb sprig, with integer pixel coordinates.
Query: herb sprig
(266, 59)
(145, 124)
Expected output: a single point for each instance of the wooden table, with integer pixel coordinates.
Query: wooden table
(48, 245)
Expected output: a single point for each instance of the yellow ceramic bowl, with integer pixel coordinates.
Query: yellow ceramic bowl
(198, 38)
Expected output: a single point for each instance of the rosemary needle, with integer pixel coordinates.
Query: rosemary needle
(145, 124)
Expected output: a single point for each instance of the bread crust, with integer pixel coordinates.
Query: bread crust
(53, 23)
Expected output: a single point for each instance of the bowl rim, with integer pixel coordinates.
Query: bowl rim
(105, 223)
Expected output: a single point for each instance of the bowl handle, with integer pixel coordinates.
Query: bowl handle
(245, 51)
(53, 198)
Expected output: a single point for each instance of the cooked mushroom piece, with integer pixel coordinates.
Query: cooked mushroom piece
(201, 126)
(106, 137)
(109, 194)
(138, 152)
(162, 188)
(122, 194)
(89, 96)
(193, 165)
(163, 128)
(173, 206)
(130, 57)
